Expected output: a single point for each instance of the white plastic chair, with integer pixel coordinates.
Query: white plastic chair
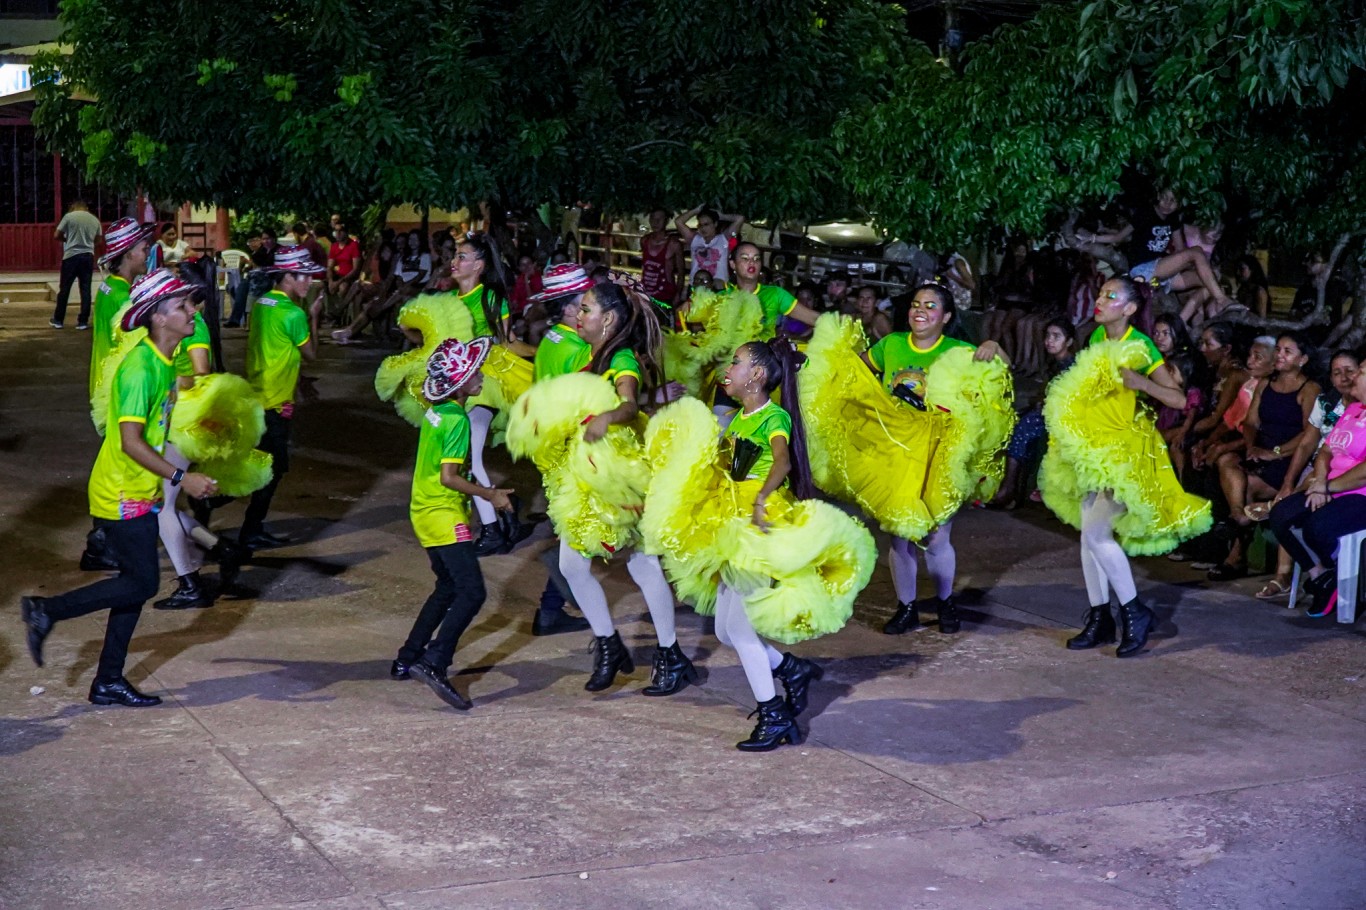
(1349, 577)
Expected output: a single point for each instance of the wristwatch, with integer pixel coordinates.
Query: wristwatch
(177, 477)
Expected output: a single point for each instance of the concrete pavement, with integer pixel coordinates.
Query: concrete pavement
(992, 769)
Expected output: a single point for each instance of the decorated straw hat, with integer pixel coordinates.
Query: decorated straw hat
(452, 364)
(148, 291)
(295, 260)
(561, 281)
(122, 236)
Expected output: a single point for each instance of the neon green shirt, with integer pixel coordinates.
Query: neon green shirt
(142, 392)
(624, 363)
(1155, 358)
(761, 427)
(440, 515)
(198, 340)
(561, 351)
(476, 308)
(902, 363)
(278, 329)
(109, 299)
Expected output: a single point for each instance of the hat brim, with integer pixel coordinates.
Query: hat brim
(111, 253)
(576, 288)
(312, 269)
(437, 388)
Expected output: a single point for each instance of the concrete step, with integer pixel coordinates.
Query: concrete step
(26, 294)
(30, 286)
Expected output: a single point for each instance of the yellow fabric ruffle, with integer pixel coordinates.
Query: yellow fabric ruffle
(595, 491)
(799, 579)
(399, 377)
(123, 343)
(909, 470)
(1100, 439)
(698, 359)
(217, 424)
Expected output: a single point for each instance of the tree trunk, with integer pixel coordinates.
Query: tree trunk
(1319, 315)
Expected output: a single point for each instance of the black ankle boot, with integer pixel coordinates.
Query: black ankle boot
(610, 657)
(796, 675)
(514, 532)
(190, 595)
(907, 617)
(491, 541)
(1099, 630)
(96, 556)
(949, 624)
(1137, 621)
(672, 672)
(230, 558)
(775, 727)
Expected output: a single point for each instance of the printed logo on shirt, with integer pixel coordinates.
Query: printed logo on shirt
(463, 534)
(433, 418)
(136, 508)
(1161, 239)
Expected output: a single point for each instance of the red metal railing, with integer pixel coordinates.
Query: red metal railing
(29, 248)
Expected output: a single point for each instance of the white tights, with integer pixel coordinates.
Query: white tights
(481, 418)
(1103, 562)
(184, 538)
(940, 558)
(734, 629)
(592, 600)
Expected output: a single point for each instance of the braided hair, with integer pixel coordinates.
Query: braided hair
(780, 362)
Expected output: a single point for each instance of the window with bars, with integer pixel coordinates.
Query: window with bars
(27, 178)
(31, 9)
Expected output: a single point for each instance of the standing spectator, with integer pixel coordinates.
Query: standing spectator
(258, 279)
(77, 231)
(661, 260)
(323, 232)
(173, 248)
(709, 245)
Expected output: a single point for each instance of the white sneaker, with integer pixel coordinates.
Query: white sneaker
(54, 323)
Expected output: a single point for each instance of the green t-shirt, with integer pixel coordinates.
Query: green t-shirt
(278, 329)
(476, 308)
(902, 363)
(120, 488)
(1155, 358)
(199, 339)
(439, 514)
(109, 299)
(624, 363)
(762, 427)
(561, 351)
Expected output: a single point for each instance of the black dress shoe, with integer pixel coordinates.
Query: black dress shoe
(262, 540)
(120, 692)
(189, 595)
(440, 683)
(37, 624)
(399, 669)
(557, 621)
(491, 541)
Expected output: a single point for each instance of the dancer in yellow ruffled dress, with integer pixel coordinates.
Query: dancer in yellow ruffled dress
(909, 430)
(477, 307)
(581, 429)
(1107, 472)
(737, 529)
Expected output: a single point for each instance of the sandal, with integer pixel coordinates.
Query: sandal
(1274, 589)
(1258, 511)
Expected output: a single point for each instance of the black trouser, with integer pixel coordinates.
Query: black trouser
(275, 443)
(133, 545)
(452, 606)
(1319, 531)
(76, 268)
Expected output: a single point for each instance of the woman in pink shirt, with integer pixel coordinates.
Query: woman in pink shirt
(1308, 524)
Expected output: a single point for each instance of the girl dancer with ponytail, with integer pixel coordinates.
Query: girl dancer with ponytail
(739, 525)
(1107, 471)
(582, 433)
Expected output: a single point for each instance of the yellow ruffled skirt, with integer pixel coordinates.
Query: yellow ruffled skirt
(217, 424)
(104, 381)
(595, 491)
(399, 378)
(907, 469)
(799, 579)
(697, 359)
(1100, 439)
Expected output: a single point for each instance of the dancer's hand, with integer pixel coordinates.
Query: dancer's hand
(759, 516)
(987, 350)
(499, 499)
(198, 486)
(1133, 381)
(673, 391)
(596, 429)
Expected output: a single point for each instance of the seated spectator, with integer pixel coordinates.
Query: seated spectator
(876, 324)
(1309, 523)
(1254, 293)
(1335, 293)
(1146, 242)
(173, 248)
(309, 241)
(1053, 276)
(412, 272)
(1029, 438)
(1175, 424)
(1011, 296)
(527, 284)
(957, 273)
(837, 293)
(1330, 405)
(1276, 420)
(808, 295)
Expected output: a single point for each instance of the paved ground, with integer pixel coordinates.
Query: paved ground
(993, 769)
